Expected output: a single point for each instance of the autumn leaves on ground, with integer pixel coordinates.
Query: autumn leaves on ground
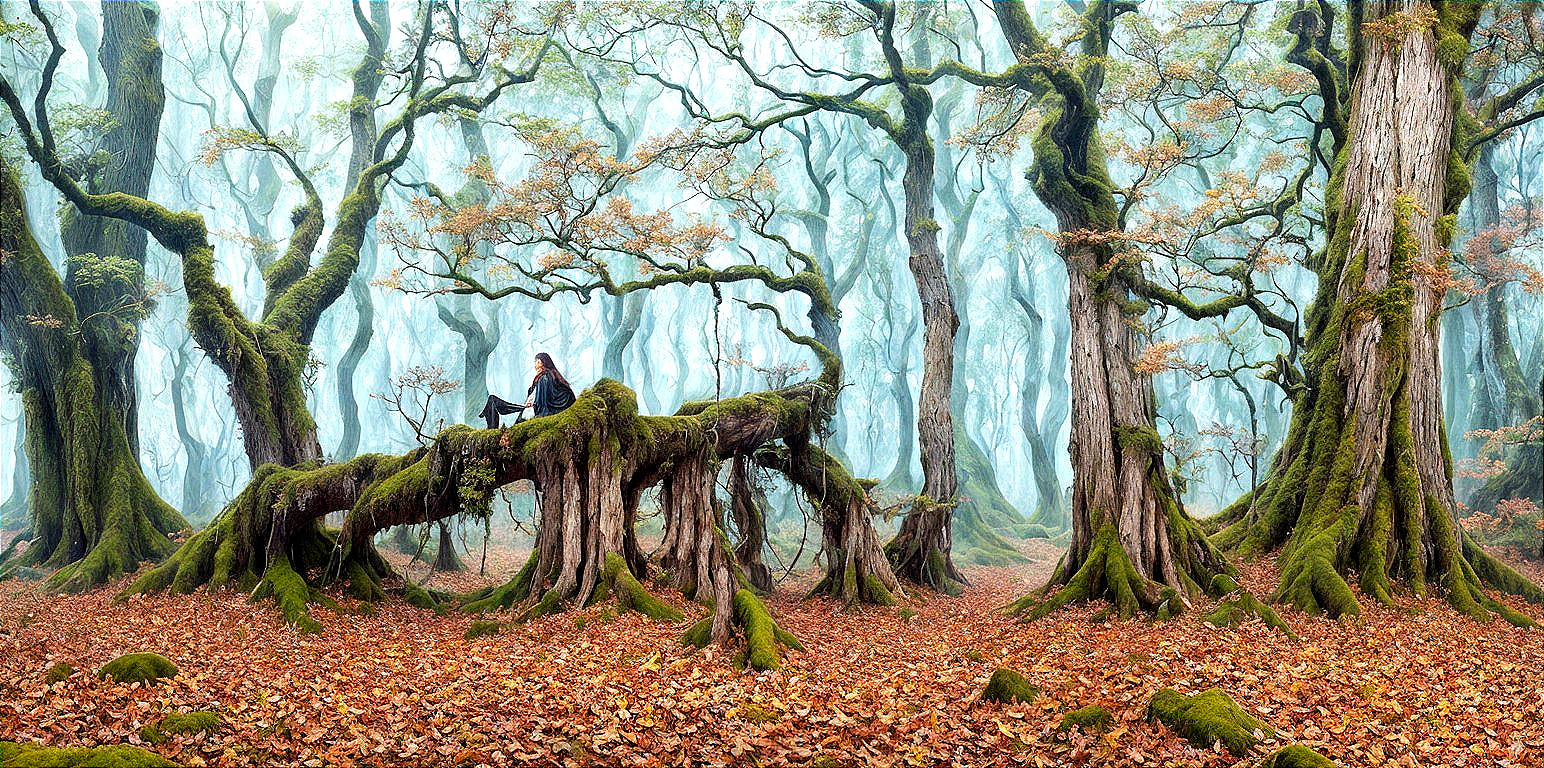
(400, 685)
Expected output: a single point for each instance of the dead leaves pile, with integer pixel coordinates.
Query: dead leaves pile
(403, 687)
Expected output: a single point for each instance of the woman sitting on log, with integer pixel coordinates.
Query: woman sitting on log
(549, 393)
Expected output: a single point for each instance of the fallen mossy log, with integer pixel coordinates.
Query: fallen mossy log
(590, 464)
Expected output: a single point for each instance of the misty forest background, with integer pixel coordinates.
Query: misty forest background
(1047, 303)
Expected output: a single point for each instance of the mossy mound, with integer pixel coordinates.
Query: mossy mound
(1297, 756)
(138, 668)
(202, 721)
(1207, 718)
(1239, 605)
(1092, 718)
(482, 628)
(59, 672)
(107, 756)
(152, 735)
(1008, 687)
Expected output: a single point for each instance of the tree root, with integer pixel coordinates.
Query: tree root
(762, 635)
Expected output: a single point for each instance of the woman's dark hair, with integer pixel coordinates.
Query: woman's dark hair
(548, 365)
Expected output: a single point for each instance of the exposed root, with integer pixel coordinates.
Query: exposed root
(920, 552)
(762, 635)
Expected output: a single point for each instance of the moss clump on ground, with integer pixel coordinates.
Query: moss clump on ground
(1008, 687)
(152, 735)
(138, 668)
(1297, 756)
(482, 628)
(1207, 718)
(107, 756)
(1086, 719)
(59, 672)
(202, 721)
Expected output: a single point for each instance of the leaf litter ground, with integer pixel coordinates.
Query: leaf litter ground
(1393, 687)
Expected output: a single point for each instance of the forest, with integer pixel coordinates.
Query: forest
(812, 382)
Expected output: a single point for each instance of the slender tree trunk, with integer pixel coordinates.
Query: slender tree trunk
(921, 551)
(1363, 487)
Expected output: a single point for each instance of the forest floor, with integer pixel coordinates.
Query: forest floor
(1392, 687)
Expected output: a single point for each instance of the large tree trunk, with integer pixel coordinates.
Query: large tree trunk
(105, 273)
(93, 514)
(1132, 542)
(1362, 488)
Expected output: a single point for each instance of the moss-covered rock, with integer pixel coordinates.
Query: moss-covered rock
(1007, 687)
(482, 628)
(138, 668)
(1087, 719)
(202, 721)
(59, 672)
(1206, 718)
(107, 756)
(1297, 756)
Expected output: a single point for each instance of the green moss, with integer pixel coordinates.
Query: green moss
(202, 721)
(107, 756)
(1240, 605)
(138, 668)
(1087, 719)
(152, 735)
(58, 673)
(291, 592)
(482, 628)
(1009, 687)
(761, 634)
(753, 713)
(1206, 718)
(1143, 438)
(698, 635)
(631, 595)
(1297, 756)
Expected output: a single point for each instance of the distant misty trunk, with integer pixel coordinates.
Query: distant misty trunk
(363, 132)
(1502, 396)
(623, 316)
(478, 344)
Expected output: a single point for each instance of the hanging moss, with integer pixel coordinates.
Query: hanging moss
(1090, 718)
(1297, 756)
(1009, 687)
(145, 668)
(1206, 718)
(107, 756)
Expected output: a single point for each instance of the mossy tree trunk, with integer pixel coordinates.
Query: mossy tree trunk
(1362, 488)
(105, 268)
(1132, 543)
(93, 514)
